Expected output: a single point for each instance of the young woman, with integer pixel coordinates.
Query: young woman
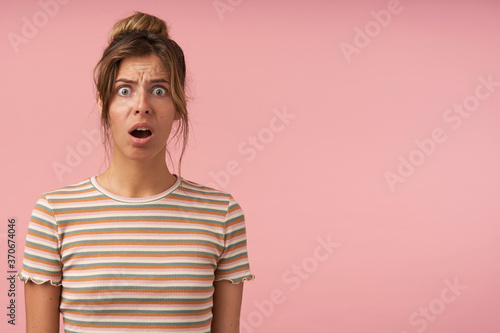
(137, 248)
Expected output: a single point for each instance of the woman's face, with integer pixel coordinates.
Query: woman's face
(141, 111)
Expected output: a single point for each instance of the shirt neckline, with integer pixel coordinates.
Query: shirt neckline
(116, 197)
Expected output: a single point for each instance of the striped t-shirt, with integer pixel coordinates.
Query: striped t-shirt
(136, 264)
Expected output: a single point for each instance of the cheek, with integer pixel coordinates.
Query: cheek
(116, 110)
(115, 119)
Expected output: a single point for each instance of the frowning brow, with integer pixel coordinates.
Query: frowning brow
(123, 80)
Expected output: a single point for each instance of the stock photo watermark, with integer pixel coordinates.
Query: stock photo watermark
(30, 26)
(371, 30)
(425, 315)
(75, 154)
(223, 6)
(250, 148)
(11, 271)
(454, 116)
(293, 279)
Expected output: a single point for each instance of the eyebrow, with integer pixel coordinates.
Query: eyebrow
(132, 81)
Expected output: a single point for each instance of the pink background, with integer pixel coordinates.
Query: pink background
(315, 176)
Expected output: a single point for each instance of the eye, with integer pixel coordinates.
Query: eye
(159, 91)
(124, 91)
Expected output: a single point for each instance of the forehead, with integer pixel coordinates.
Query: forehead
(142, 67)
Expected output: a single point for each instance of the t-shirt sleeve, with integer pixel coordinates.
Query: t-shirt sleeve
(42, 260)
(233, 264)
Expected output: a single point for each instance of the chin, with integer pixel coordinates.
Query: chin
(147, 155)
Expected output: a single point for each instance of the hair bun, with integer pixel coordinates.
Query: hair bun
(138, 21)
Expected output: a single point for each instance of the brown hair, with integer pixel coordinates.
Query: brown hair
(135, 36)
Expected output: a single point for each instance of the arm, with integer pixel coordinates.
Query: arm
(227, 307)
(42, 307)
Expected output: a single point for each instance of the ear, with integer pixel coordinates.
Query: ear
(99, 103)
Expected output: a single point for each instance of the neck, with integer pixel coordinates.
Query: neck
(136, 178)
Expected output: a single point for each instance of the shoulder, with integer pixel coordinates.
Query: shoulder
(210, 199)
(202, 192)
(48, 202)
(198, 189)
(85, 186)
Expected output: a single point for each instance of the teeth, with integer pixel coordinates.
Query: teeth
(142, 129)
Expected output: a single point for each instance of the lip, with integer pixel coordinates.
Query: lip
(140, 141)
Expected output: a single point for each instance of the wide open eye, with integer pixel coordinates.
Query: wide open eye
(159, 91)
(124, 91)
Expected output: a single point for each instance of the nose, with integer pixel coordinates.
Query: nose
(142, 104)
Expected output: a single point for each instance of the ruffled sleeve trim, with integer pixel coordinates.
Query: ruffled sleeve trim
(238, 280)
(25, 279)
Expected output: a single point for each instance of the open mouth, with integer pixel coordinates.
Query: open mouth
(141, 133)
